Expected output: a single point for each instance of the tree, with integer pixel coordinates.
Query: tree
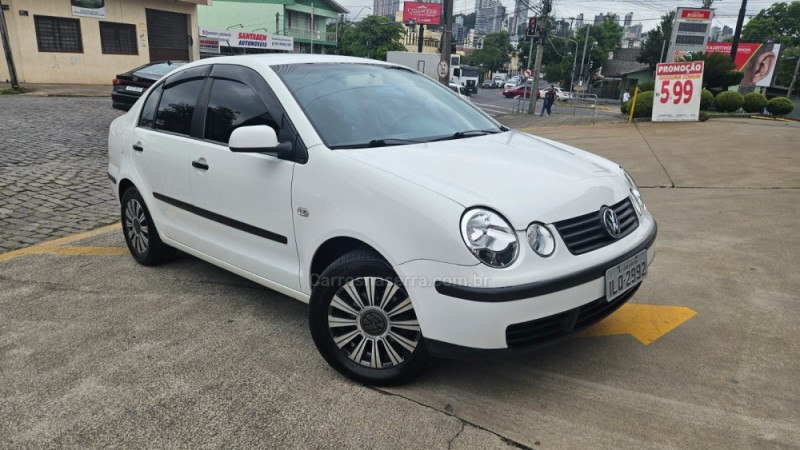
(654, 42)
(372, 37)
(495, 53)
(780, 23)
(607, 37)
(719, 71)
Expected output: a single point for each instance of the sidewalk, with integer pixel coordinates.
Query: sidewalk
(64, 90)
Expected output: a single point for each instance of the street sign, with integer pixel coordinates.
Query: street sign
(442, 69)
(528, 73)
(677, 93)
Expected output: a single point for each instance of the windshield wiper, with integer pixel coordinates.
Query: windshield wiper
(466, 134)
(378, 143)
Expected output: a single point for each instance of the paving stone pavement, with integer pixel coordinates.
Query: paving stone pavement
(53, 168)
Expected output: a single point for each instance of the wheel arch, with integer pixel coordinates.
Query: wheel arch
(330, 250)
(123, 186)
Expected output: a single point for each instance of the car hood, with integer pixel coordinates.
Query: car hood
(523, 177)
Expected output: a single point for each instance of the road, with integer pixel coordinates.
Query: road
(494, 104)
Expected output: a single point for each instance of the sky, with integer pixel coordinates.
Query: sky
(646, 12)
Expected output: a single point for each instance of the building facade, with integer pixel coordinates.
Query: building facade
(385, 8)
(90, 42)
(303, 20)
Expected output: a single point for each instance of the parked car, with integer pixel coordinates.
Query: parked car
(129, 86)
(521, 89)
(465, 238)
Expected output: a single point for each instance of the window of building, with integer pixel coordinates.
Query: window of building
(233, 105)
(58, 34)
(176, 107)
(118, 38)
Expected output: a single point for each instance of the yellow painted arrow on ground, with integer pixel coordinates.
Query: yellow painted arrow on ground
(647, 323)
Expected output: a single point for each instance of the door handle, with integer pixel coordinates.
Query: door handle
(199, 165)
(138, 147)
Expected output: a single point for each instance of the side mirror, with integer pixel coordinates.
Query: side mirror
(259, 139)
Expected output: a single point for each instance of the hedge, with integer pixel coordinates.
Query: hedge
(754, 102)
(728, 101)
(706, 99)
(780, 106)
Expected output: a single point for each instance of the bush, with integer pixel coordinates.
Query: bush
(706, 99)
(647, 86)
(644, 105)
(625, 107)
(728, 101)
(754, 102)
(780, 106)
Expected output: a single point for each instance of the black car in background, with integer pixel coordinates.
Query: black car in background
(129, 86)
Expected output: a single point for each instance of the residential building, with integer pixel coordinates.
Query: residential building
(579, 21)
(726, 32)
(521, 14)
(52, 41)
(715, 34)
(385, 8)
(628, 20)
(303, 20)
(598, 19)
(490, 18)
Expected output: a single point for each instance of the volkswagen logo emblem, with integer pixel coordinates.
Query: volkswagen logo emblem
(373, 323)
(611, 222)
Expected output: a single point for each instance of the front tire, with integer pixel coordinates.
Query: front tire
(140, 231)
(363, 322)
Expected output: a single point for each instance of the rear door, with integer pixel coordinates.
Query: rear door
(163, 150)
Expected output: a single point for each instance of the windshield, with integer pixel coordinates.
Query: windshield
(369, 105)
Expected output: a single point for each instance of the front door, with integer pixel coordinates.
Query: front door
(167, 35)
(245, 199)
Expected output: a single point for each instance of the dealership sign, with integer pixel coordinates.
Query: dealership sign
(245, 39)
(677, 94)
(89, 8)
(422, 13)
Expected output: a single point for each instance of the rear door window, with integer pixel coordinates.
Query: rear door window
(177, 105)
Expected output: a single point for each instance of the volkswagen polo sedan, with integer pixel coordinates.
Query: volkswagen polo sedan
(414, 227)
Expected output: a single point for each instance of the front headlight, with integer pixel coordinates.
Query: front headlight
(638, 203)
(489, 237)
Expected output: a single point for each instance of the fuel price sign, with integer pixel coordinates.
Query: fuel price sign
(677, 96)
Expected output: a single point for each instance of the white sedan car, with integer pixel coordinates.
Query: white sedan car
(412, 223)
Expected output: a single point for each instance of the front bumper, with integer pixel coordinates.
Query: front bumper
(466, 320)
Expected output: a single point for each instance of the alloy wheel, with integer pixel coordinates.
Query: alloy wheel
(136, 226)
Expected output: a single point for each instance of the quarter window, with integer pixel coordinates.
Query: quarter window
(149, 108)
(233, 105)
(118, 38)
(57, 34)
(177, 107)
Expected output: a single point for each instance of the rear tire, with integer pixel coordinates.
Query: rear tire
(363, 322)
(140, 231)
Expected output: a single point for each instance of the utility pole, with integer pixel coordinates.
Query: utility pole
(539, 53)
(794, 77)
(738, 32)
(278, 23)
(583, 58)
(313, 31)
(12, 70)
(419, 37)
(447, 38)
(707, 4)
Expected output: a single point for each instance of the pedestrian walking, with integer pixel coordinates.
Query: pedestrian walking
(549, 99)
(626, 96)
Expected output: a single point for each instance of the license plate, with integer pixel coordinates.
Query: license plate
(622, 277)
(134, 88)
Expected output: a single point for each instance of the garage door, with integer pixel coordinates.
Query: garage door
(168, 35)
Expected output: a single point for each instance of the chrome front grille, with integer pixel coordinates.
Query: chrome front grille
(588, 232)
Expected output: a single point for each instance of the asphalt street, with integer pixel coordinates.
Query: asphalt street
(495, 104)
(97, 351)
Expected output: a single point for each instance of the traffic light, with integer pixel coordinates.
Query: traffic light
(531, 27)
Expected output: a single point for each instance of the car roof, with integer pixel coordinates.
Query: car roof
(274, 59)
